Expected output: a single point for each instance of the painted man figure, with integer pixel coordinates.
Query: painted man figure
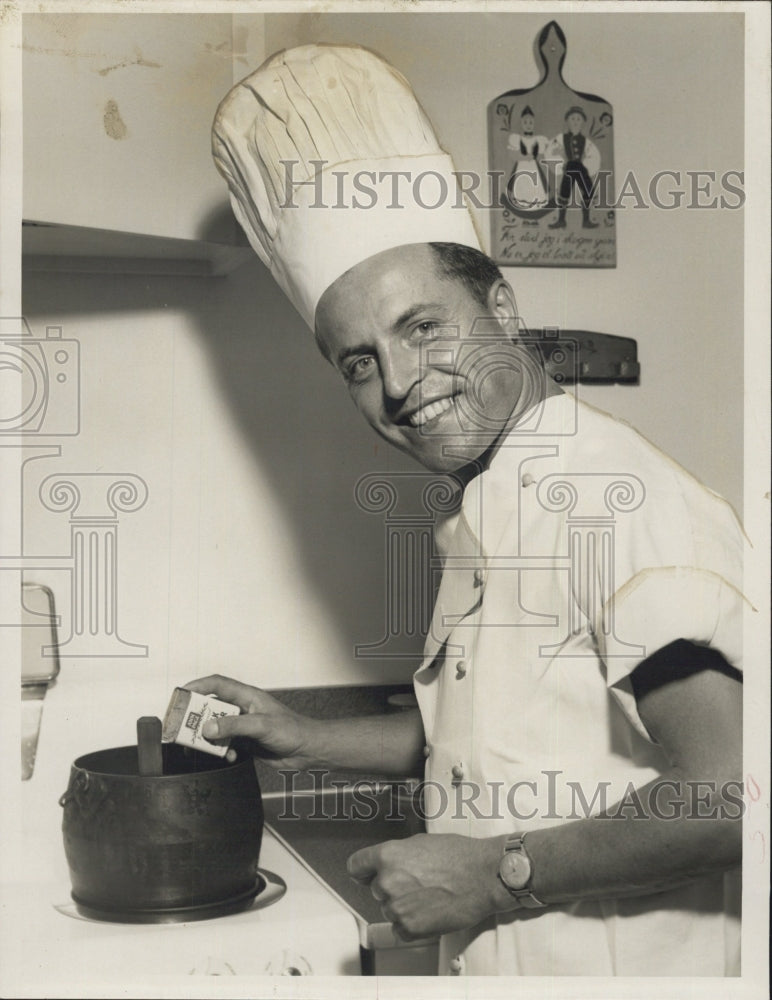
(581, 677)
(577, 162)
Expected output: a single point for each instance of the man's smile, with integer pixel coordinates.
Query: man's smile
(429, 411)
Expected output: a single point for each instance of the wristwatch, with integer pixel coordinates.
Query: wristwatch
(515, 871)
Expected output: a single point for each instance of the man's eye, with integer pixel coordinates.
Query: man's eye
(427, 328)
(361, 368)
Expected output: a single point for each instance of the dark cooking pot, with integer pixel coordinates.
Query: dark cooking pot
(187, 840)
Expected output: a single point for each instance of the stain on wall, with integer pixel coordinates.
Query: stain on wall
(115, 126)
(138, 60)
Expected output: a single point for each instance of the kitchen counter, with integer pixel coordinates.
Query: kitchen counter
(56, 953)
(323, 826)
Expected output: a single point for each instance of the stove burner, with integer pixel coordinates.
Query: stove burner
(268, 889)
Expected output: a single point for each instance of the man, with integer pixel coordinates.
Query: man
(580, 701)
(577, 162)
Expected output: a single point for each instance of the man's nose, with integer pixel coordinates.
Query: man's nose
(401, 370)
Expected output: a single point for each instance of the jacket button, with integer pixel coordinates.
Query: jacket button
(427, 751)
(458, 772)
(479, 578)
(456, 966)
(461, 668)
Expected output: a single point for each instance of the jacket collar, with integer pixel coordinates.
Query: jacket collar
(468, 537)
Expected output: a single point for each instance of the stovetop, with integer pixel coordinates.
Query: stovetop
(267, 890)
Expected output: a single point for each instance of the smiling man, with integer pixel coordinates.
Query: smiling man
(425, 338)
(580, 695)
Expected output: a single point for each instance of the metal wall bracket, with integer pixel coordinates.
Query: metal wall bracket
(584, 356)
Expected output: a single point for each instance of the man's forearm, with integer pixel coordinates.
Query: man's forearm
(438, 883)
(637, 850)
(387, 744)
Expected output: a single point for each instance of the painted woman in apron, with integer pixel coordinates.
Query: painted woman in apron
(527, 184)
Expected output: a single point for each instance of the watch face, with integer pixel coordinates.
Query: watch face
(515, 870)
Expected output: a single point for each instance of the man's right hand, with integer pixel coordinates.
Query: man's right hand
(281, 735)
(374, 744)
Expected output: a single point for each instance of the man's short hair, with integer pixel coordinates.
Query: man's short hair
(469, 266)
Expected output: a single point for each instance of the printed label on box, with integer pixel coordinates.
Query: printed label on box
(186, 716)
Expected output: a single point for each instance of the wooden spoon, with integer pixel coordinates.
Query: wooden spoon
(149, 746)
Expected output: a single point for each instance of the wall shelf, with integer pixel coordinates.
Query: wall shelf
(83, 250)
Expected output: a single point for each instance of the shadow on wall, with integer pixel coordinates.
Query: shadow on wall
(297, 418)
(292, 411)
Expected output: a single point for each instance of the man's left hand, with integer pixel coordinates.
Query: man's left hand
(433, 884)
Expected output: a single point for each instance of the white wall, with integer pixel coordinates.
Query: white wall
(251, 556)
(111, 101)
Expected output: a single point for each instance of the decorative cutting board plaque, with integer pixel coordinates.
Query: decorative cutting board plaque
(552, 149)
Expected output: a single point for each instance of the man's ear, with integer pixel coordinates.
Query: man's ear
(502, 304)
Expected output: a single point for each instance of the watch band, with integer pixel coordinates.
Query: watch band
(524, 896)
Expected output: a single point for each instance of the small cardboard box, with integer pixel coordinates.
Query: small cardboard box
(186, 715)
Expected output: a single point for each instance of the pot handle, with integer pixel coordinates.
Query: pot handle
(80, 784)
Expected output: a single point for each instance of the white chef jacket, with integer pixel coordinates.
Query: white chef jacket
(579, 551)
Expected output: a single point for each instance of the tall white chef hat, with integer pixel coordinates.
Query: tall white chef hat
(329, 160)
